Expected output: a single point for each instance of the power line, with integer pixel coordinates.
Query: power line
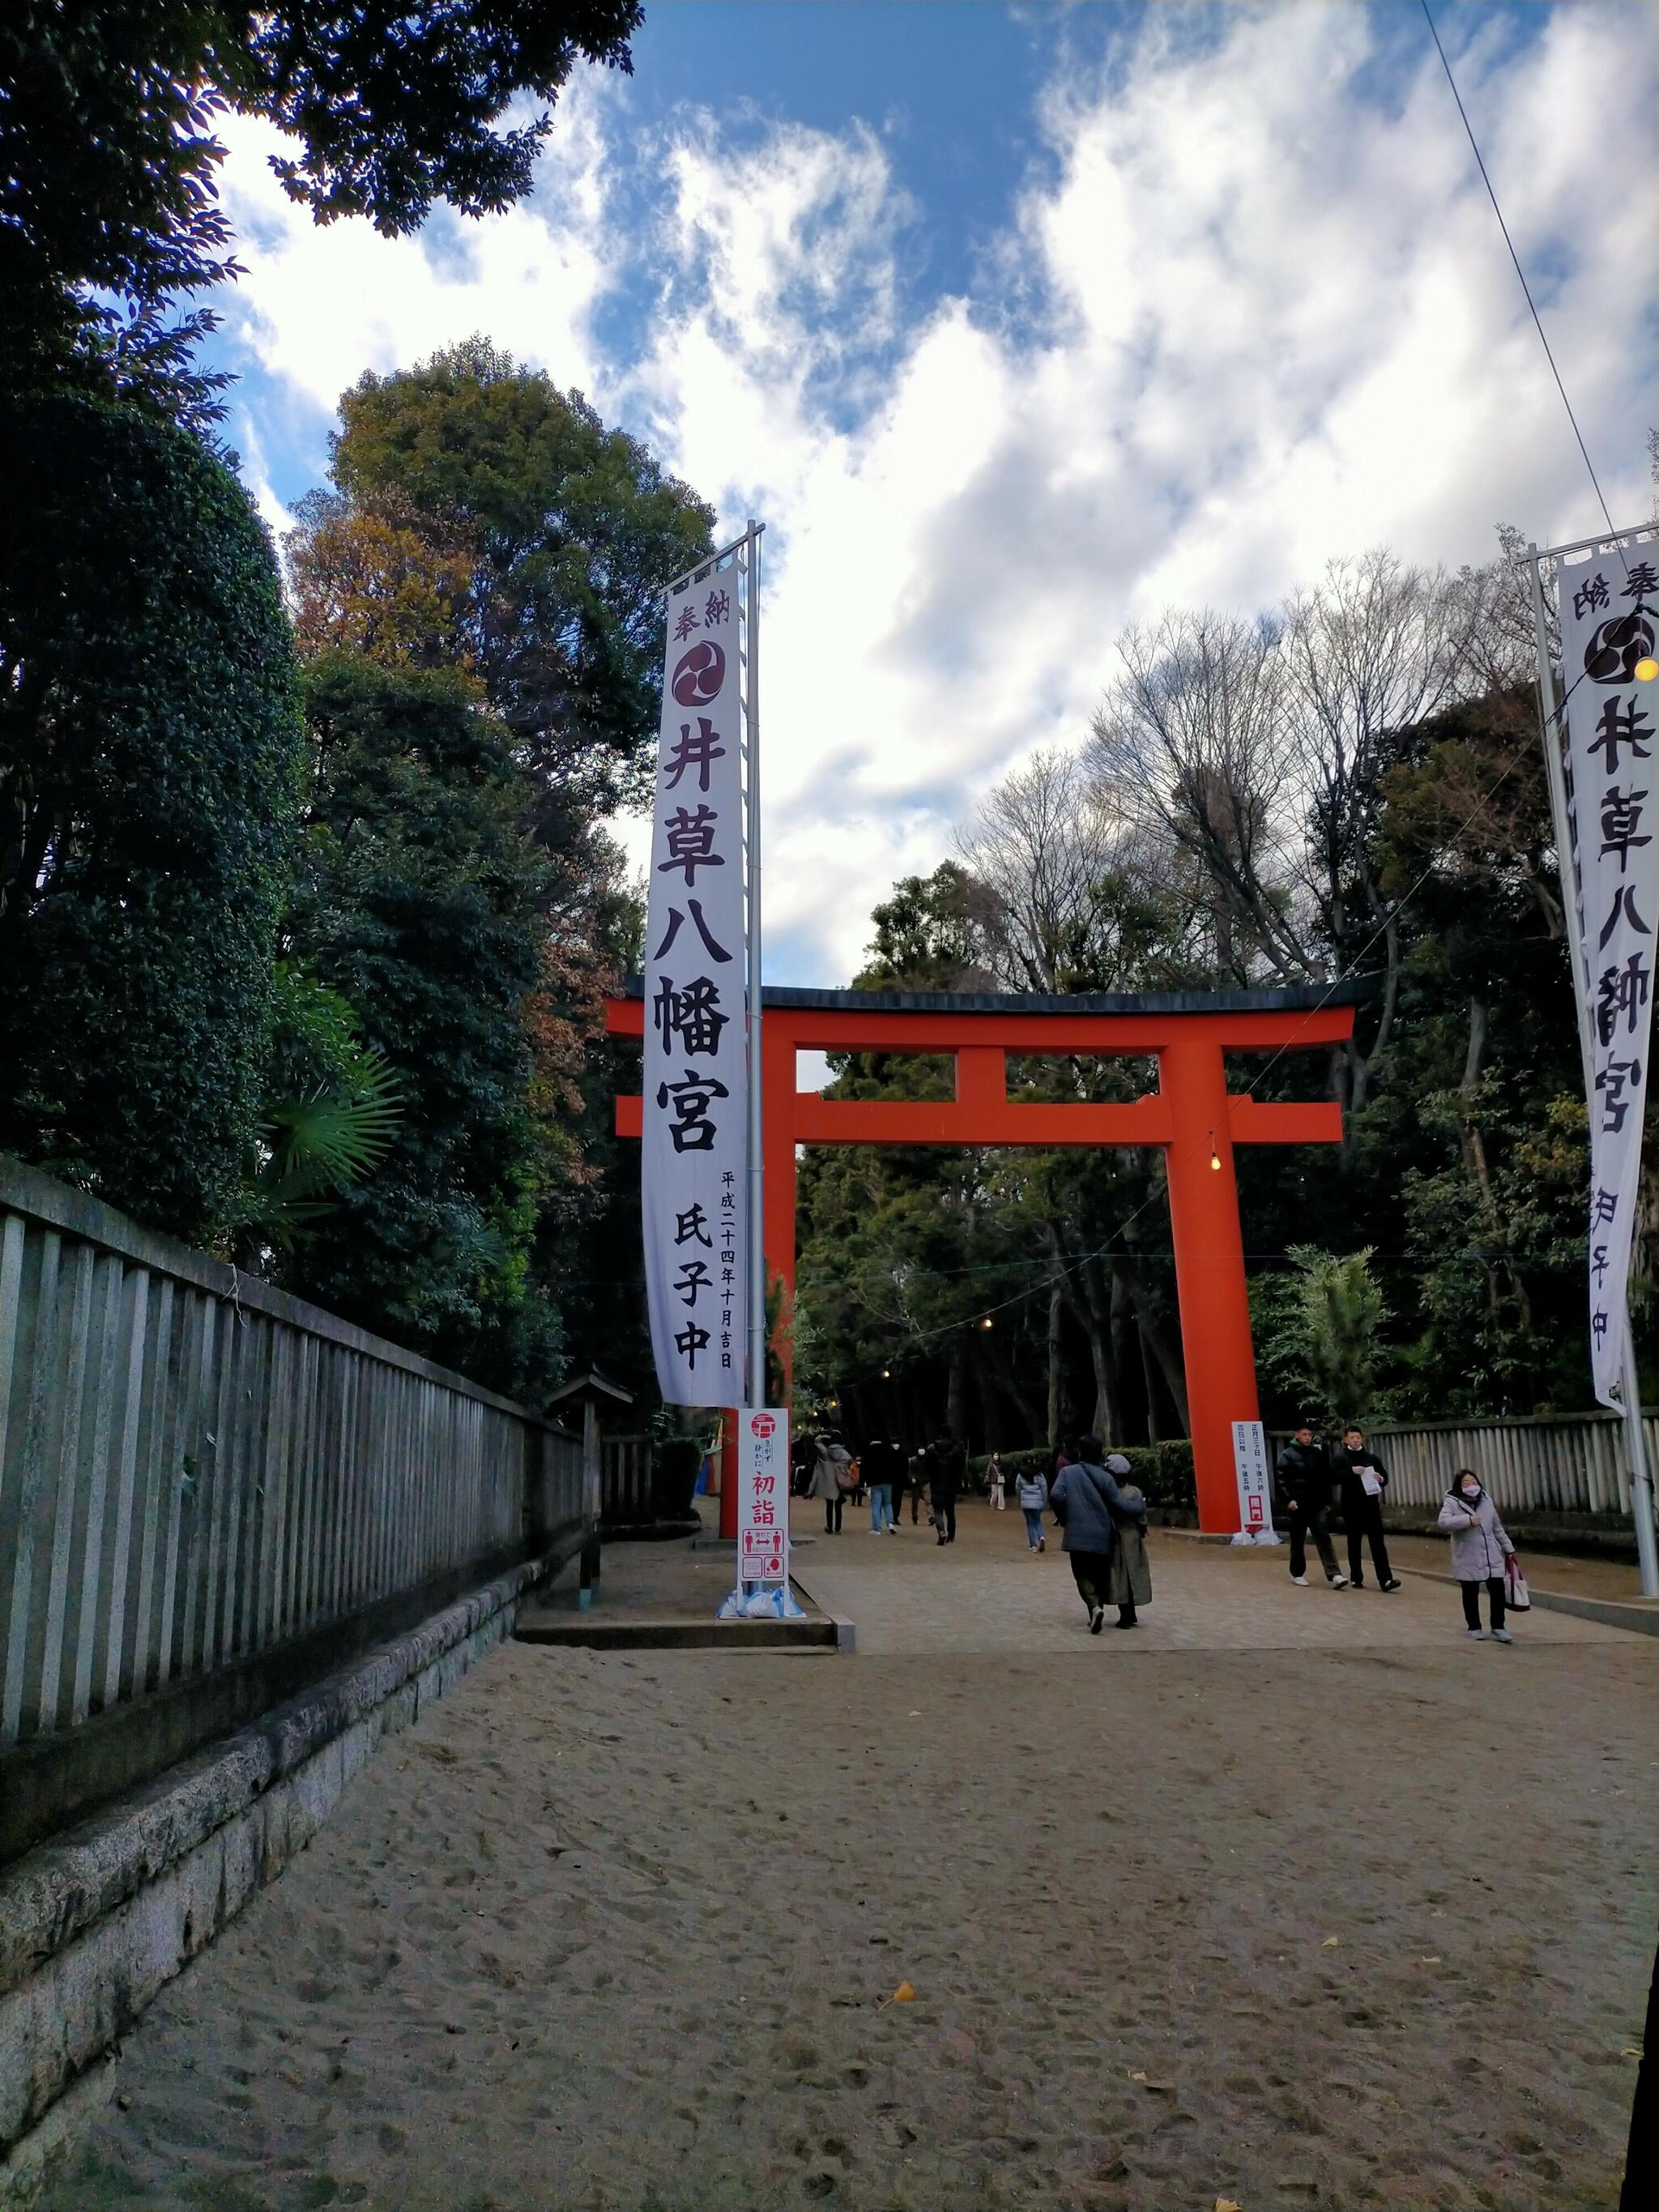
(1526, 287)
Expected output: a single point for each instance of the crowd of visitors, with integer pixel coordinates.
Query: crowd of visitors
(1102, 1515)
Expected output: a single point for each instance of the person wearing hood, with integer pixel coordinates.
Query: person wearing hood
(832, 1478)
(1480, 1545)
(1132, 1574)
(1305, 1494)
(1089, 1506)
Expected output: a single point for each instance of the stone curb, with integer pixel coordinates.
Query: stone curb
(847, 1635)
(1607, 1610)
(93, 1925)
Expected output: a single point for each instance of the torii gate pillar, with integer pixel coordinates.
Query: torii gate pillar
(1191, 1117)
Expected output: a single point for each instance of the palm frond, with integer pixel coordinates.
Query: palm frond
(331, 1138)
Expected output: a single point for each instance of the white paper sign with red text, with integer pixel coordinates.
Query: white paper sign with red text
(1255, 1509)
(763, 1495)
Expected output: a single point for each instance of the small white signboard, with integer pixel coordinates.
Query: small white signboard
(1256, 1505)
(763, 1495)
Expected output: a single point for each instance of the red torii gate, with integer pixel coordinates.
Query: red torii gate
(1190, 1115)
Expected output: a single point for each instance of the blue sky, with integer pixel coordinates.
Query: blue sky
(1018, 324)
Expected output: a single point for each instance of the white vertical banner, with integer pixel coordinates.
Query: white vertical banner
(695, 1154)
(1255, 1512)
(763, 1496)
(1609, 608)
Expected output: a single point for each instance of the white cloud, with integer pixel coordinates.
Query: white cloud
(1252, 312)
(320, 306)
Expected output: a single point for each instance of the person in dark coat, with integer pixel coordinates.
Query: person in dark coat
(945, 1461)
(1088, 1504)
(1364, 1478)
(1641, 2189)
(915, 1474)
(1304, 1497)
(882, 1461)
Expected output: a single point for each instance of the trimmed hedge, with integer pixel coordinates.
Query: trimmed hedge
(1163, 1472)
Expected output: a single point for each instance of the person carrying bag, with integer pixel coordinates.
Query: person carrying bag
(1481, 1552)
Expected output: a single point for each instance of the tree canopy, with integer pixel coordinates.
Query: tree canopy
(481, 518)
(107, 202)
(149, 755)
(419, 904)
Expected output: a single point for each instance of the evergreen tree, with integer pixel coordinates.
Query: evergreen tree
(149, 761)
(421, 903)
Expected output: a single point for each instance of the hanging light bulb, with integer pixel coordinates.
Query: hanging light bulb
(1646, 669)
(988, 1322)
(885, 1373)
(1215, 1156)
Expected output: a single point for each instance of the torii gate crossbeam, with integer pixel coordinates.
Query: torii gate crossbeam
(1190, 1116)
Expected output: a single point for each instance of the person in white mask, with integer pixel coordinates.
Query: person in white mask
(1480, 1545)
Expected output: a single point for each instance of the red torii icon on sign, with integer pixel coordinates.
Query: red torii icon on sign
(1190, 1115)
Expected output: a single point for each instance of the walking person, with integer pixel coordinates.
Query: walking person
(1088, 1505)
(1480, 1545)
(900, 1481)
(880, 1457)
(945, 1460)
(832, 1478)
(1362, 1479)
(917, 1464)
(1304, 1493)
(1032, 1492)
(997, 1485)
(1132, 1573)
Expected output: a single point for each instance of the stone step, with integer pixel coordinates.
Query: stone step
(591, 1631)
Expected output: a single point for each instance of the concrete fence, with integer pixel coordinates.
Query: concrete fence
(1570, 1463)
(197, 1469)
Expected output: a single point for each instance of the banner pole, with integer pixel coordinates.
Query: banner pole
(1641, 1489)
(758, 1389)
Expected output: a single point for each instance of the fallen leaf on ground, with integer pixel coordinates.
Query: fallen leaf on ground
(916, 1713)
(1331, 1943)
(1431, 1958)
(904, 1994)
(1228, 2204)
(1146, 2080)
(1631, 2050)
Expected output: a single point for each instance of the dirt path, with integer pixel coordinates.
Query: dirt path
(608, 1934)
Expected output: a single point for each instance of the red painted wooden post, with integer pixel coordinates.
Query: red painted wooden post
(1215, 1307)
(778, 1107)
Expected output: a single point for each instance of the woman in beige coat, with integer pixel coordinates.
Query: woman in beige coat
(1132, 1577)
